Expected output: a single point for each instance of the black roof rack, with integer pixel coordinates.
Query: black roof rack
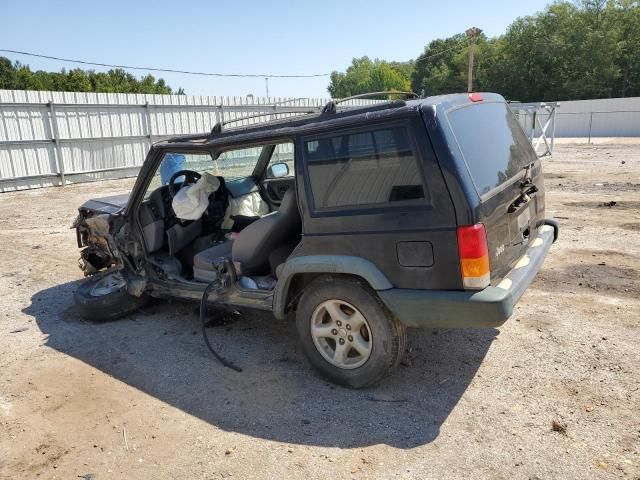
(217, 128)
(330, 107)
(188, 138)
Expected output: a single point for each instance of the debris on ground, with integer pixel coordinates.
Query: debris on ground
(386, 399)
(222, 318)
(559, 426)
(406, 361)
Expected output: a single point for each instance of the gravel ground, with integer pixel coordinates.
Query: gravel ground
(554, 393)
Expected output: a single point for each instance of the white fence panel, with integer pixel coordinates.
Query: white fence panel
(612, 117)
(46, 137)
(615, 124)
(27, 160)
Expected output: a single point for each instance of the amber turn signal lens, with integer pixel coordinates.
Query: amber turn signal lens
(475, 267)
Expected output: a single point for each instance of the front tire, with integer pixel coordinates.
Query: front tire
(104, 297)
(347, 333)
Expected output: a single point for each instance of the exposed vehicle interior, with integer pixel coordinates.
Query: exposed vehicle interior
(251, 218)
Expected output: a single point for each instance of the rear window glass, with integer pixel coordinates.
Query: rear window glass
(364, 168)
(493, 145)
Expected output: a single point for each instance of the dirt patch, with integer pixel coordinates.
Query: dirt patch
(616, 281)
(553, 176)
(633, 226)
(607, 271)
(613, 204)
(618, 187)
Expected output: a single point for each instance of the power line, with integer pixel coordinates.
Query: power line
(207, 74)
(455, 47)
(167, 70)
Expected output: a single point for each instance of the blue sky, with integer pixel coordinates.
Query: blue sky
(242, 36)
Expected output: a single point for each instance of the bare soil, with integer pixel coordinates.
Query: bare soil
(554, 393)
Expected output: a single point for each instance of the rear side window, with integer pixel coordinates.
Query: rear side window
(493, 145)
(364, 168)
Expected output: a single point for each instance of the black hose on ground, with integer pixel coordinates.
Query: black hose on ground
(203, 321)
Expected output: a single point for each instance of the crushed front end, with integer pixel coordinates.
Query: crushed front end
(96, 226)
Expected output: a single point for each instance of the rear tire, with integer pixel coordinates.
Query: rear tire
(104, 297)
(347, 333)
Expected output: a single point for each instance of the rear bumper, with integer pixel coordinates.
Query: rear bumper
(486, 308)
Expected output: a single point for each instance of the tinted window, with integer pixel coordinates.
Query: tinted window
(363, 168)
(492, 143)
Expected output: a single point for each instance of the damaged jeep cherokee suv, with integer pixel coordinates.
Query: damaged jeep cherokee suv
(364, 221)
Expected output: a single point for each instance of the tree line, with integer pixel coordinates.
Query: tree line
(570, 51)
(16, 76)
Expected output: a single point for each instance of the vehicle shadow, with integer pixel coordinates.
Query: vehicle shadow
(278, 396)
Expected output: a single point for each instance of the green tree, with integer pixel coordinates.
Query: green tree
(571, 50)
(439, 69)
(443, 65)
(625, 20)
(365, 75)
(580, 50)
(8, 78)
(77, 80)
(20, 77)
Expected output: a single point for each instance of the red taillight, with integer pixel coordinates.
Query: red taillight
(475, 97)
(474, 256)
(472, 241)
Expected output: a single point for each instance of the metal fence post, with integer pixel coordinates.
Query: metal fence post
(554, 112)
(56, 140)
(221, 117)
(149, 130)
(590, 124)
(533, 126)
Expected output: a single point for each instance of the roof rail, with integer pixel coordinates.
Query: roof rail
(217, 128)
(188, 138)
(330, 107)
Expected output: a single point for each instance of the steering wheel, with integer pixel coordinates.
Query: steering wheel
(190, 177)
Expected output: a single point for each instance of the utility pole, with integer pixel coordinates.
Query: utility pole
(473, 33)
(266, 81)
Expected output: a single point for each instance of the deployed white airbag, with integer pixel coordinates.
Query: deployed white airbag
(250, 205)
(191, 201)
